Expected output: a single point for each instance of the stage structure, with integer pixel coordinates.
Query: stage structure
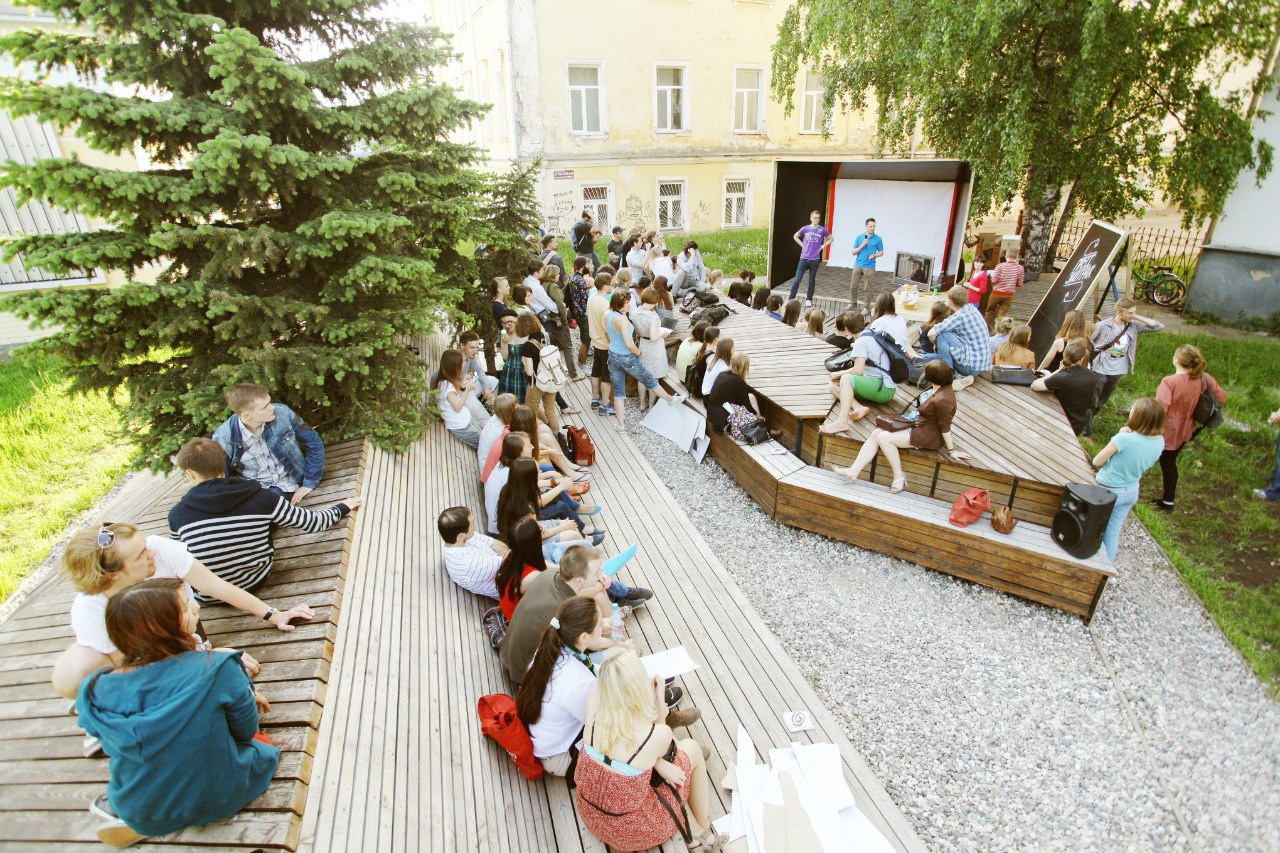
(920, 208)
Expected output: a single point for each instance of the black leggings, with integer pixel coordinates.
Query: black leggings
(1169, 473)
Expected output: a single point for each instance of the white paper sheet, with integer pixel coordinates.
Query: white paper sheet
(669, 664)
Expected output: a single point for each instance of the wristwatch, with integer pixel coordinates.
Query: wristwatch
(271, 611)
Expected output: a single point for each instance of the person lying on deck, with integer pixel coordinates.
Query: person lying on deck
(267, 442)
(180, 724)
(934, 409)
(868, 380)
(471, 558)
(108, 558)
(226, 522)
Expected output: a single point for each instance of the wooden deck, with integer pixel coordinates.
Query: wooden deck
(47, 786)
(401, 764)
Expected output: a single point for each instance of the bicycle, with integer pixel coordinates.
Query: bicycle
(1162, 286)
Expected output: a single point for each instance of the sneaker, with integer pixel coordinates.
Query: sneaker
(638, 596)
(679, 398)
(676, 719)
(808, 303)
(101, 808)
(1261, 493)
(91, 747)
(117, 834)
(673, 696)
(1161, 505)
(962, 383)
(595, 404)
(605, 410)
(597, 538)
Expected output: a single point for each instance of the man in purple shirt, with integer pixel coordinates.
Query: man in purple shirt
(812, 240)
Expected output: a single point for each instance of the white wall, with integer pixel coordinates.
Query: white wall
(911, 216)
(1251, 218)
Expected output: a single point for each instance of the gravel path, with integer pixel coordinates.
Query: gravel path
(998, 724)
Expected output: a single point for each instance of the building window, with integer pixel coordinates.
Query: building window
(737, 193)
(814, 118)
(669, 98)
(747, 99)
(671, 204)
(597, 198)
(586, 99)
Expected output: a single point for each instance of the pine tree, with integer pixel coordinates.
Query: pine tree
(304, 207)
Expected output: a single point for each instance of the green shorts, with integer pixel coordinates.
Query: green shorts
(870, 389)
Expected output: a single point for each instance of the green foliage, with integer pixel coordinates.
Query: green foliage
(60, 454)
(1112, 100)
(512, 213)
(1219, 528)
(304, 206)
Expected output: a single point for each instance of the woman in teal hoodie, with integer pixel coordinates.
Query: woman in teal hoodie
(179, 724)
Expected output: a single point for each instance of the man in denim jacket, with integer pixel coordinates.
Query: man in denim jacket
(269, 443)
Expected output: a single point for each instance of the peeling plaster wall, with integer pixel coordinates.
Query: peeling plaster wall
(526, 77)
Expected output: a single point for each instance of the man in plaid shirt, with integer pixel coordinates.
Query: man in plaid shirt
(962, 339)
(1006, 278)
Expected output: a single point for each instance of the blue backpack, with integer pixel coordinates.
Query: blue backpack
(899, 365)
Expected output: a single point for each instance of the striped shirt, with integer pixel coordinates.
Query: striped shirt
(474, 565)
(974, 347)
(1007, 277)
(236, 545)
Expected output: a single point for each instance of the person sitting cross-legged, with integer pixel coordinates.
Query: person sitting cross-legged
(935, 409)
(470, 557)
(180, 724)
(268, 442)
(868, 379)
(225, 522)
(962, 340)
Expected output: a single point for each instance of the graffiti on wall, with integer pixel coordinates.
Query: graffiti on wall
(560, 215)
(702, 214)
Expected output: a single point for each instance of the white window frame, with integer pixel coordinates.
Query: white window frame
(817, 95)
(725, 225)
(684, 203)
(760, 101)
(569, 89)
(686, 87)
(584, 204)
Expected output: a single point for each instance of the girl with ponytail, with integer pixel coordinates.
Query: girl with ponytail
(552, 700)
(1179, 395)
(522, 564)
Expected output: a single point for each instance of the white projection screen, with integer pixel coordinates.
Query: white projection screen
(911, 216)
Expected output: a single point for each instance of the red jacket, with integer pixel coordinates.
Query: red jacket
(1179, 394)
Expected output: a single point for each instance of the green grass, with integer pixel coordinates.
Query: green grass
(1218, 522)
(731, 251)
(58, 455)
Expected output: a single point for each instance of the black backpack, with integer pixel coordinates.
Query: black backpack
(899, 366)
(712, 315)
(695, 374)
(1208, 411)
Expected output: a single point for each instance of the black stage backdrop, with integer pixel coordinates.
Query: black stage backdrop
(1092, 257)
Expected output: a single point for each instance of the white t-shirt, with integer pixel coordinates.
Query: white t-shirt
(452, 419)
(492, 430)
(492, 491)
(663, 265)
(564, 707)
(893, 326)
(713, 370)
(474, 566)
(89, 612)
(877, 364)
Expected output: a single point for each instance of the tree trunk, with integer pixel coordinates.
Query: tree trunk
(1038, 214)
(1064, 219)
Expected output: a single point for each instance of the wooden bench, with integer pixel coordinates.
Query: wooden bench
(47, 785)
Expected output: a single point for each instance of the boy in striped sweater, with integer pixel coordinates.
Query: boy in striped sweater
(225, 522)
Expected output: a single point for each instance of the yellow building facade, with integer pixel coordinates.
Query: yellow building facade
(656, 113)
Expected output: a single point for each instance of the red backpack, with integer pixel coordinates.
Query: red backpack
(583, 451)
(499, 721)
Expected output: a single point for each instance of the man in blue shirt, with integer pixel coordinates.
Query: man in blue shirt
(812, 240)
(866, 248)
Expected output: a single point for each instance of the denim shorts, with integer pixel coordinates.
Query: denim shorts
(620, 365)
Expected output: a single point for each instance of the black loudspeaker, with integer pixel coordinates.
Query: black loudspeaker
(1082, 518)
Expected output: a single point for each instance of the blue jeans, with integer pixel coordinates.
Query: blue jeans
(620, 365)
(948, 341)
(810, 264)
(1273, 490)
(1126, 497)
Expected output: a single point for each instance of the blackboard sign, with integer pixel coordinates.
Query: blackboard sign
(1092, 258)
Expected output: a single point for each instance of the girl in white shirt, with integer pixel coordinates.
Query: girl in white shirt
(552, 701)
(454, 390)
(718, 364)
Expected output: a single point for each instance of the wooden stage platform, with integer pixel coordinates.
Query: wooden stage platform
(1023, 451)
(374, 702)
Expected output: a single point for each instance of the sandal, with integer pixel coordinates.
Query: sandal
(843, 472)
(898, 485)
(570, 411)
(710, 841)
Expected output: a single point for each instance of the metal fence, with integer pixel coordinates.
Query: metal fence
(1148, 247)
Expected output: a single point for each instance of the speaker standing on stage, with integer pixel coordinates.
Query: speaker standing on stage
(866, 248)
(812, 239)
(1124, 460)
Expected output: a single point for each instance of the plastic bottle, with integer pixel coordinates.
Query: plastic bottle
(615, 624)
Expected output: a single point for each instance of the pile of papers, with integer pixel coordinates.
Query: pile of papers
(799, 802)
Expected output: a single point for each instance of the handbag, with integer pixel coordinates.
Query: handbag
(1002, 520)
(1004, 374)
(840, 361)
(755, 433)
(969, 507)
(893, 423)
(1208, 411)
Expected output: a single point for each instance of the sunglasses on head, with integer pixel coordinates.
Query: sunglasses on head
(106, 536)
